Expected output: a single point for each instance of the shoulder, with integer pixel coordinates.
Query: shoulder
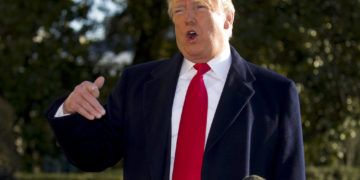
(271, 87)
(145, 70)
(147, 67)
(157, 68)
(259, 76)
(269, 78)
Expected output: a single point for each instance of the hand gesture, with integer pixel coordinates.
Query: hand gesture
(83, 100)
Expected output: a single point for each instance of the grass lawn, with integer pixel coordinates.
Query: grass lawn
(115, 174)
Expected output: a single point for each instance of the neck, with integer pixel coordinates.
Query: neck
(210, 57)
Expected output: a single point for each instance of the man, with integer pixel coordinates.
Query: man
(204, 114)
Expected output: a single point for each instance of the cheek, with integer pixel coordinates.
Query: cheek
(213, 29)
(176, 23)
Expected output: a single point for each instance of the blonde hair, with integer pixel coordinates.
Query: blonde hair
(226, 4)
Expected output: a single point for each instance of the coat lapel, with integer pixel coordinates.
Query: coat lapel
(236, 94)
(158, 99)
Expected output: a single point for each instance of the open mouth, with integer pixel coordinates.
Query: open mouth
(191, 35)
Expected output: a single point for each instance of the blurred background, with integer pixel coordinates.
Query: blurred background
(47, 47)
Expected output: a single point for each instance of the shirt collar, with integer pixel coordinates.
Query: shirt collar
(219, 65)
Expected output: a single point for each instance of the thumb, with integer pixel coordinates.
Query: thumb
(99, 82)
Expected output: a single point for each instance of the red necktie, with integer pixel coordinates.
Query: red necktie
(191, 136)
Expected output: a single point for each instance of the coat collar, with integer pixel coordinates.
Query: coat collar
(236, 94)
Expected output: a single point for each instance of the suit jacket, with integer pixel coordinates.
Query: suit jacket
(256, 128)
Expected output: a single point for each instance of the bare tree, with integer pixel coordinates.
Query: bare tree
(8, 155)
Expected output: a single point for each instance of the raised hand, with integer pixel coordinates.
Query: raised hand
(83, 100)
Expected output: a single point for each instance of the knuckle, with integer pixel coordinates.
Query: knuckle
(83, 85)
(92, 88)
(76, 96)
(87, 84)
(80, 90)
(78, 87)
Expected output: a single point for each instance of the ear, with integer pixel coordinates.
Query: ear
(229, 20)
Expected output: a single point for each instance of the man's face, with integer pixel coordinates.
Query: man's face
(200, 28)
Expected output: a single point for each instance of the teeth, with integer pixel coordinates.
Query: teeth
(191, 34)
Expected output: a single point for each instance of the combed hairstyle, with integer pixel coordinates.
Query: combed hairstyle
(226, 4)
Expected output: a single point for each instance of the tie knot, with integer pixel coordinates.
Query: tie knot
(202, 68)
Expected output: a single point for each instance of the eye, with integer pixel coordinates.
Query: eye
(178, 10)
(201, 7)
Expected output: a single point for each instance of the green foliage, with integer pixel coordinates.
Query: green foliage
(144, 28)
(41, 56)
(113, 174)
(332, 173)
(317, 44)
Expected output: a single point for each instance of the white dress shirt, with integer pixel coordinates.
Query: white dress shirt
(214, 81)
(60, 112)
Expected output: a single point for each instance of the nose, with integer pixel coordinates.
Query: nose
(190, 17)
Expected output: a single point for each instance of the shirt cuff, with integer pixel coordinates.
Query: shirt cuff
(60, 112)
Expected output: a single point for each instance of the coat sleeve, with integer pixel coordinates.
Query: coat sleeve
(290, 158)
(92, 145)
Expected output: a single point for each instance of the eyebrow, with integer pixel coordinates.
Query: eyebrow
(179, 6)
(203, 2)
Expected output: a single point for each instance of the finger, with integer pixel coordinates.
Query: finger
(94, 103)
(80, 105)
(82, 93)
(99, 82)
(93, 90)
(85, 113)
(89, 108)
(96, 86)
